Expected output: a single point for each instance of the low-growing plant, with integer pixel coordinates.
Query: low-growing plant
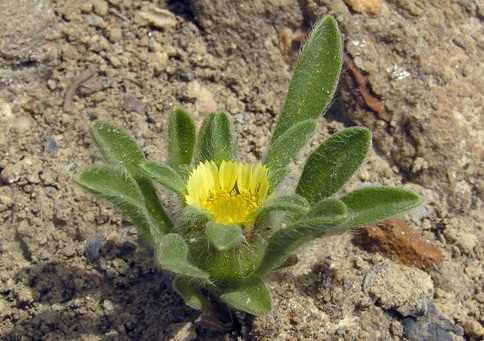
(234, 229)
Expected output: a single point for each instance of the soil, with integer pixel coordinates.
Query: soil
(71, 268)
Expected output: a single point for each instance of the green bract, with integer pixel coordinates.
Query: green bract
(231, 261)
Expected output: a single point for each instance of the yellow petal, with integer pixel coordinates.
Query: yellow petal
(227, 175)
(263, 190)
(213, 171)
(243, 177)
(256, 176)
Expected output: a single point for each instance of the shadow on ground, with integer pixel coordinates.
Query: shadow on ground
(113, 299)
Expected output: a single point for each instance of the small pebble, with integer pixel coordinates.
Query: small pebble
(101, 7)
(50, 145)
(22, 124)
(6, 198)
(365, 6)
(474, 329)
(108, 306)
(183, 331)
(6, 113)
(86, 7)
(431, 327)
(95, 21)
(132, 104)
(205, 101)
(93, 248)
(115, 34)
(158, 61)
(157, 17)
(50, 191)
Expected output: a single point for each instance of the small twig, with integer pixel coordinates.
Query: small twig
(117, 14)
(363, 87)
(78, 81)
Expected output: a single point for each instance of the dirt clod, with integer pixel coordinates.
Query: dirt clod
(406, 290)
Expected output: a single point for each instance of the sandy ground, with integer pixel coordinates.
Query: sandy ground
(70, 267)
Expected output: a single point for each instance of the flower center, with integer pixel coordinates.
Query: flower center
(231, 192)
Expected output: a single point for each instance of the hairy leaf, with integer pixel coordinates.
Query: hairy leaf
(181, 137)
(215, 141)
(188, 291)
(119, 148)
(195, 216)
(164, 175)
(284, 241)
(224, 237)
(253, 298)
(172, 254)
(153, 205)
(315, 77)
(289, 203)
(332, 164)
(370, 204)
(328, 207)
(275, 177)
(285, 148)
(118, 187)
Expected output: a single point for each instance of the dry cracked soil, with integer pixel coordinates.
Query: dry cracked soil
(71, 268)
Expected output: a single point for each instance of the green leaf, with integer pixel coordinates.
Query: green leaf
(370, 204)
(188, 291)
(285, 148)
(275, 177)
(253, 298)
(215, 141)
(118, 187)
(172, 255)
(153, 205)
(290, 203)
(315, 77)
(165, 176)
(328, 208)
(224, 237)
(119, 148)
(181, 138)
(195, 216)
(284, 241)
(291, 260)
(333, 163)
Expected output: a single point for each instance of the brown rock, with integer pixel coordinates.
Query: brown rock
(396, 240)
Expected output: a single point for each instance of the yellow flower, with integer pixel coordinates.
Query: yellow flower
(231, 192)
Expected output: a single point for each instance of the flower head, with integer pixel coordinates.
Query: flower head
(231, 192)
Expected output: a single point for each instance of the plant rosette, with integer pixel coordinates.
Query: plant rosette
(235, 228)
